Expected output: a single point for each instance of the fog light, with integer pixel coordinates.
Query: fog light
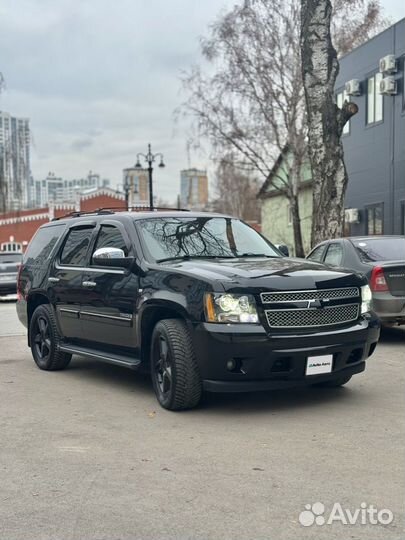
(231, 365)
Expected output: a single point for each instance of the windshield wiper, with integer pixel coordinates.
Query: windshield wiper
(189, 257)
(257, 255)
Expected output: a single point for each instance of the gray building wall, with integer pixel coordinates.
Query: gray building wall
(375, 153)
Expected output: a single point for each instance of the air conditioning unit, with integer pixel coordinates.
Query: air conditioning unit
(353, 87)
(388, 64)
(352, 215)
(388, 86)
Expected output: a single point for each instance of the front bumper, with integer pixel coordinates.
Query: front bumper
(266, 362)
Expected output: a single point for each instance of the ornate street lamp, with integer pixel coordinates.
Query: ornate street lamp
(149, 158)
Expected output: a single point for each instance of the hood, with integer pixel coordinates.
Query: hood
(262, 274)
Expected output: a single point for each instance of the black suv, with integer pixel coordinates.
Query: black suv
(202, 300)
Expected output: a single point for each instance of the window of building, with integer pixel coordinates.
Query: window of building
(110, 236)
(75, 248)
(340, 99)
(375, 219)
(11, 246)
(375, 100)
(334, 254)
(402, 217)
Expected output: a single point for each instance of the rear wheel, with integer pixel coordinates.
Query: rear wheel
(45, 339)
(175, 375)
(334, 383)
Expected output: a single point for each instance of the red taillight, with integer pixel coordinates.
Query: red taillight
(19, 293)
(378, 282)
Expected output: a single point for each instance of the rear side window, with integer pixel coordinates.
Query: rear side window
(75, 247)
(42, 244)
(334, 255)
(317, 254)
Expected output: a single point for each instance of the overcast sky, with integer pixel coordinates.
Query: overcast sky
(99, 79)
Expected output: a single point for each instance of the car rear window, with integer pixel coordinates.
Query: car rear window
(380, 249)
(9, 258)
(42, 244)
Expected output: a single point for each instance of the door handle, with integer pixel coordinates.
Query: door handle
(89, 283)
(53, 279)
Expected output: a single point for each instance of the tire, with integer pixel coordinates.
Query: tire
(334, 383)
(175, 374)
(45, 340)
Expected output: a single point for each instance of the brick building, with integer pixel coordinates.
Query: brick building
(17, 228)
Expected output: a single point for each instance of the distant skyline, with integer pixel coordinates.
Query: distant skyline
(99, 80)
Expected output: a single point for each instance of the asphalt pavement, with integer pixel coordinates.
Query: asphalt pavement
(87, 453)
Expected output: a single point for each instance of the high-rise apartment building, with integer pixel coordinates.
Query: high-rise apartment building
(193, 189)
(15, 177)
(54, 189)
(137, 182)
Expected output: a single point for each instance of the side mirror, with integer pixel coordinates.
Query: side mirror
(109, 256)
(284, 250)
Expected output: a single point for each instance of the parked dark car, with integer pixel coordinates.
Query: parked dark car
(201, 300)
(9, 264)
(381, 259)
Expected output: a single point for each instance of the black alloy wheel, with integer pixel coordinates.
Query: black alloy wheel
(163, 367)
(45, 340)
(175, 374)
(42, 339)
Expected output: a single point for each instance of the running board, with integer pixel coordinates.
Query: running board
(111, 358)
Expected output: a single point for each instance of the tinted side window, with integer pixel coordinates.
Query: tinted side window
(334, 255)
(75, 247)
(110, 236)
(317, 254)
(42, 244)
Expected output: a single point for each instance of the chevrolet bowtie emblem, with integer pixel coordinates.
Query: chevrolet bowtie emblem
(315, 303)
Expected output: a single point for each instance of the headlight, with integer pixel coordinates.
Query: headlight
(366, 299)
(230, 308)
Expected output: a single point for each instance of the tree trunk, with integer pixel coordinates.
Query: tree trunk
(320, 68)
(296, 223)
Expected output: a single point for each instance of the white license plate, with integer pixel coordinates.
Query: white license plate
(316, 365)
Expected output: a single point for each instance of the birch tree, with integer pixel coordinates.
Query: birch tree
(320, 68)
(249, 100)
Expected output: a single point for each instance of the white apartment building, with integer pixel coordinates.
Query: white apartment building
(55, 189)
(15, 177)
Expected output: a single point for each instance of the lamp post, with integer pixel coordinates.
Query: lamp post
(149, 158)
(129, 187)
(126, 190)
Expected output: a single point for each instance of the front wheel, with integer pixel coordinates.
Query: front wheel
(175, 374)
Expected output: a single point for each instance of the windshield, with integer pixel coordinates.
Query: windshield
(381, 249)
(8, 258)
(211, 237)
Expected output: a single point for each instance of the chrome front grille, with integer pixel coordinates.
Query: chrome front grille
(300, 296)
(307, 318)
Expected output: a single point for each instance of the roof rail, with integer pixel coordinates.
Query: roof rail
(112, 209)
